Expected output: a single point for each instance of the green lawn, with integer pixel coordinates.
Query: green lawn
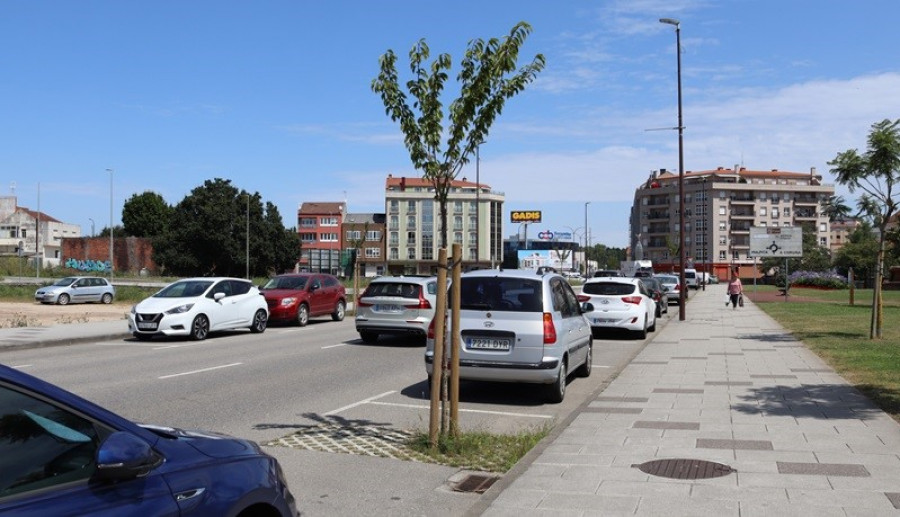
(839, 333)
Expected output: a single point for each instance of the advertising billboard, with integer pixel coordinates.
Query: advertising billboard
(525, 216)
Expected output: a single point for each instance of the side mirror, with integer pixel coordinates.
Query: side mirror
(218, 296)
(125, 456)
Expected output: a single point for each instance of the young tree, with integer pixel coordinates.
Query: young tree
(487, 79)
(876, 173)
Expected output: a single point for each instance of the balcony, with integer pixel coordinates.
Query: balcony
(743, 198)
(805, 200)
(743, 214)
(656, 215)
(806, 214)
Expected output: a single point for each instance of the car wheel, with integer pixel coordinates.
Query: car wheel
(368, 337)
(585, 369)
(642, 334)
(338, 314)
(107, 298)
(302, 315)
(658, 310)
(556, 392)
(260, 319)
(652, 328)
(200, 328)
(63, 299)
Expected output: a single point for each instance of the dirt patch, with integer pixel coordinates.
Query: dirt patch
(24, 314)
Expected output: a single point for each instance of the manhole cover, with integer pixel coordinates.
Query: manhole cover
(475, 483)
(685, 469)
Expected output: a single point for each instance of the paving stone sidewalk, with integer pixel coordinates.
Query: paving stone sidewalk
(745, 418)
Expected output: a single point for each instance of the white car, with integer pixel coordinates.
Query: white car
(620, 303)
(194, 307)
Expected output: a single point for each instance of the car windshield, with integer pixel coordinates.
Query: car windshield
(608, 288)
(185, 289)
(287, 282)
(501, 294)
(62, 282)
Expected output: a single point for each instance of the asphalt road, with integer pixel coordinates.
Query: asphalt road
(266, 386)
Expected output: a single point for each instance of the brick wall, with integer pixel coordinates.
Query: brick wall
(130, 254)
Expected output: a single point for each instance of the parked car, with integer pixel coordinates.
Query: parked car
(298, 297)
(194, 307)
(713, 279)
(620, 303)
(396, 305)
(659, 294)
(607, 272)
(516, 326)
(77, 289)
(691, 278)
(63, 455)
(672, 283)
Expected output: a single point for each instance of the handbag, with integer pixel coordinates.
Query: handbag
(741, 300)
(727, 299)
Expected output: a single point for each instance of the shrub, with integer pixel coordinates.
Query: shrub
(828, 280)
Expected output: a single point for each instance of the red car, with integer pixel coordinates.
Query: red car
(300, 296)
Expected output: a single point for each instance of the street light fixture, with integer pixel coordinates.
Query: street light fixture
(110, 171)
(682, 293)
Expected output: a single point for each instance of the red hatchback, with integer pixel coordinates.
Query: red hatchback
(300, 296)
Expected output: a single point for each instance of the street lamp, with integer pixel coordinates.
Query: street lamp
(110, 171)
(247, 249)
(587, 236)
(682, 292)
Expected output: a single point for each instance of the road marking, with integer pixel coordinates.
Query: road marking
(463, 410)
(334, 346)
(164, 347)
(199, 371)
(360, 403)
(19, 367)
(600, 366)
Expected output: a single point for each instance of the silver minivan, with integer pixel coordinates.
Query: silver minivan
(516, 326)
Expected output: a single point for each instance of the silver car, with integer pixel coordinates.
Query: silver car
(77, 289)
(396, 305)
(516, 326)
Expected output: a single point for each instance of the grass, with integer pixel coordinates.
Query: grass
(839, 333)
(478, 450)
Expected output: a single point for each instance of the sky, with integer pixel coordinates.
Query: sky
(276, 97)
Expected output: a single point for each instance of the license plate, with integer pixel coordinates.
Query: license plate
(146, 325)
(487, 344)
(604, 320)
(388, 308)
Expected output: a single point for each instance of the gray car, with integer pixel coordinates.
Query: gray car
(396, 305)
(516, 326)
(77, 289)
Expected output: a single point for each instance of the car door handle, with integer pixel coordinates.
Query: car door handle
(189, 494)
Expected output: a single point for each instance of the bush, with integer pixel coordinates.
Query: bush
(827, 280)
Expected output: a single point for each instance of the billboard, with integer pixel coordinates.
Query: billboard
(776, 242)
(525, 216)
(533, 259)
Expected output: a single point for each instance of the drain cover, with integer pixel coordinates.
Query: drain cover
(685, 469)
(475, 483)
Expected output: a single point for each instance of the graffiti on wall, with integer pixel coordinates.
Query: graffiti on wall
(89, 265)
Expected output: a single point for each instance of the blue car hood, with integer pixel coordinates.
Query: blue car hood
(208, 443)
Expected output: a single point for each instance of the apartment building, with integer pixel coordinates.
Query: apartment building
(32, 234)
(840, 233)
(363, 235)
(319, 226)
(474, 220)
(720, 207)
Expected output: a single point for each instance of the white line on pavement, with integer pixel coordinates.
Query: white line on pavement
(20, 366)
(600, 366)
(360, 403)
(334, 346)
(199, 371)
(463, 410)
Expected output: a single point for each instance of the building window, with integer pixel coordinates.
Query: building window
(723, 240)
(823, 241)
(373, 252)
(762, 211)
(410, 207)
(762, 196)
(473, 206)
(410, 253)
(473, 255)
(473, 222)
(457, 223)
(328, 237)
(395, 206)
(395, 222)
(722, 225)
(395, 254)
(721, 210)
(473, 240)
(307, 222)
(373, 235)
(395, 239)
(307, 237)
(411, 222)
(328, 221)
(721, 255)
(823, 227)
(787, 211)
(410, 238)
(353, 235)
(457, 207)
(457, 237)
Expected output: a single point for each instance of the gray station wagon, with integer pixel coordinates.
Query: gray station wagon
(77, 289)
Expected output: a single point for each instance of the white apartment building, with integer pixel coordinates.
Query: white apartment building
(720, 206)
(31, 234)
(474, 220)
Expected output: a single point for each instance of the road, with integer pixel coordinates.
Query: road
(290, 379)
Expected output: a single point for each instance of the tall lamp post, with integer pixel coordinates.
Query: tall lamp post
(682, 293)
(110, 171)
(587, 237)
(247, 249)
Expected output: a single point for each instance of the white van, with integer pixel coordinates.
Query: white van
(691, 278)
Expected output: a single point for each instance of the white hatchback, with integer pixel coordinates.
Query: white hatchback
(620, 303)
(194, 307)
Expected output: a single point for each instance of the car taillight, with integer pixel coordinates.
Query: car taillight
(632, 299)
(361, 303)
(422, 303)
(549, 329)
(583, 298)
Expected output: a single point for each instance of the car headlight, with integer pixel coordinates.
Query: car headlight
(180, 309)
(134, 309)
(288, 301)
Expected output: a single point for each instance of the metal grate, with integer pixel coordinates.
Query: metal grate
(685, 469)
(475, 483)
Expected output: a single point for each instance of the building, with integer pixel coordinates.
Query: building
(474, 220)
(32, 234)
(720, 207)
(319, 226)
(363, 236)
(840, 233)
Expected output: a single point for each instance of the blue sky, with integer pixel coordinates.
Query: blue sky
(276, 97)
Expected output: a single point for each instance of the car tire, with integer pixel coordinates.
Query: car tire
(556, 392)
(302, 315)
(585, 369)
(260, 320)
(642, 334)
(63, 299)
(368, 337)
(199, 327)
(339, 310)
(652, 328)
(106, 298)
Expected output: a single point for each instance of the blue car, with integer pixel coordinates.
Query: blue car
(63, 455)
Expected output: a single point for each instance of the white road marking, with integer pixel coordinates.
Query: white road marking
(20, 366)
(164, 347)
(463, 410)
(334, 346)
(600, 366)
(360, 403)
(199, 371)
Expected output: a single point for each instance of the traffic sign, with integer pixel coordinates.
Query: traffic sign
(776, 242)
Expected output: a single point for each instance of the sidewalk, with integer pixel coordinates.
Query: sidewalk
(56, 335)
(727, 387)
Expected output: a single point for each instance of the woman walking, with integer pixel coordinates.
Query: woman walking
(735, 290)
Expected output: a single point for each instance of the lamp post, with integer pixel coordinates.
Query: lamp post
(92, 226)
(110, 171)
(587, 237)
(247, 249)
(682, 293)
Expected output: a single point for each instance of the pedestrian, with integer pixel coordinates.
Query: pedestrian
(735, 290)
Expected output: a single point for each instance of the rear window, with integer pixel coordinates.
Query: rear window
(690, 274)
(501, 294)
(401, 289)
(608, 288)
